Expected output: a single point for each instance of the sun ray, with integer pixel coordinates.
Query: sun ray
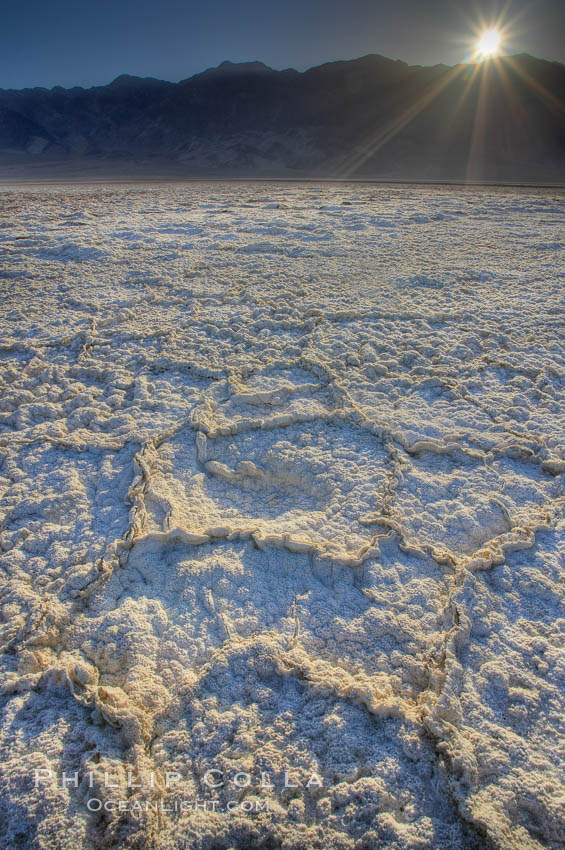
(492, 34)
(465, 93)
(550, 99)
(355, 159)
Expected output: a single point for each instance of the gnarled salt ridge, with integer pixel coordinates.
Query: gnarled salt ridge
(281, 489)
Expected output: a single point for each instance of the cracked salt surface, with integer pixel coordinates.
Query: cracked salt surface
(281, 490)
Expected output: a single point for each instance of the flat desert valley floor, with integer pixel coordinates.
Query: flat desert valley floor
(282, 496)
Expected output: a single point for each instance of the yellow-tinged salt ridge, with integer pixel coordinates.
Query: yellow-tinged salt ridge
(281, 495)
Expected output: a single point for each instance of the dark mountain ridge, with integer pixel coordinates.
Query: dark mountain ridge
(500, 120)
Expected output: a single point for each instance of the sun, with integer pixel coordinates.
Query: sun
(489, 43)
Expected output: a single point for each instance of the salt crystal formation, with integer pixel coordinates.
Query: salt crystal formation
(282, 496)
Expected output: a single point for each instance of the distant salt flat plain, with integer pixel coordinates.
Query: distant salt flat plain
(282, 500)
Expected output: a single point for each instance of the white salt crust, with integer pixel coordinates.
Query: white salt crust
(281, 489)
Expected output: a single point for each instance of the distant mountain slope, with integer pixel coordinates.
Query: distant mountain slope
(369, 117)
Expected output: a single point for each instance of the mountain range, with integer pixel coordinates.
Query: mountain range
(500, 120)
